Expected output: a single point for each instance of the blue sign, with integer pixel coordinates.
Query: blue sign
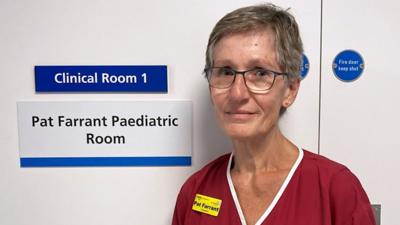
(106, 161)
(305, 67)
(348, 65)
(101, 78)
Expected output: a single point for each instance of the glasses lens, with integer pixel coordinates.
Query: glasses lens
(259, 79)
(220, 77)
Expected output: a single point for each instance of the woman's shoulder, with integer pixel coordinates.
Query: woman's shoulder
(342, 189)
(324, 165)
(335, 177)
(210, 173)
(328, 171)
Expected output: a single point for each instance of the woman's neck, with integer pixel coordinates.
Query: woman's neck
(268, 153)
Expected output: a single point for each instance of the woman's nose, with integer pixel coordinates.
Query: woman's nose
(238, 90)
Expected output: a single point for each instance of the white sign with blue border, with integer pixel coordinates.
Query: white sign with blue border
(348, 65)
(101, 78)
(134, 133)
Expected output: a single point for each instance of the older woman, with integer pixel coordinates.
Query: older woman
(252, 65)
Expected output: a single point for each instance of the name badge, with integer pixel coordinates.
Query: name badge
(207, 205)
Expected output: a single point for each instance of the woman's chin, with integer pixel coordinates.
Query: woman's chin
(239, 132)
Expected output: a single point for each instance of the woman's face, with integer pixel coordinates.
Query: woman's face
(241, 113)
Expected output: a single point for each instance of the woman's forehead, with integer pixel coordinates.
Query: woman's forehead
(267, 32)
(254, 48)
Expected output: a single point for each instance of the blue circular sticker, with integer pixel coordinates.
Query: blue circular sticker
(348, 65)
(305, 67)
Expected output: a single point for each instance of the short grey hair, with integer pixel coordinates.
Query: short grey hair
(288, 44)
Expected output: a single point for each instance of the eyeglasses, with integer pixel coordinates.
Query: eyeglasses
(256, 80)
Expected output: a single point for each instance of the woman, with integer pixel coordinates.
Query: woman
(252, 65)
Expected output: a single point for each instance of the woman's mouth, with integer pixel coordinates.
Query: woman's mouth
(240, 115)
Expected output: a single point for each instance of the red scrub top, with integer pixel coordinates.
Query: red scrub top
(317, 191)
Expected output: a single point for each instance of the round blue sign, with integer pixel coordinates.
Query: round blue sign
(305, 67)
(348, 65)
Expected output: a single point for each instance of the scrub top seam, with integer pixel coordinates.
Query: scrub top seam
(277, 196)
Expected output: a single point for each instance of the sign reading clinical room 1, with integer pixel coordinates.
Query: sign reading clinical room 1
(101, 78)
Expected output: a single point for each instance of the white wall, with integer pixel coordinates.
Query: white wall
(175, 33)
(360, 120)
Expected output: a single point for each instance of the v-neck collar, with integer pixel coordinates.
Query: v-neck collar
(276, 198)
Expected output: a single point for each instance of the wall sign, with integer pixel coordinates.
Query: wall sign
(101, 79)
(134, 133)
(348, 65)
(305, 67)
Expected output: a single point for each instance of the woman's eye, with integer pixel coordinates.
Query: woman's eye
(226, 72)
(261, 72)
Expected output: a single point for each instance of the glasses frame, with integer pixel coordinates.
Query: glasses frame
(236, 72)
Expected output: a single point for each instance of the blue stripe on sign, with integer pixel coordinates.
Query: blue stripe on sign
(148, 78)
(106, 161)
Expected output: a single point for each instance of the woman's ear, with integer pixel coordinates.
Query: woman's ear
(291, 92)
